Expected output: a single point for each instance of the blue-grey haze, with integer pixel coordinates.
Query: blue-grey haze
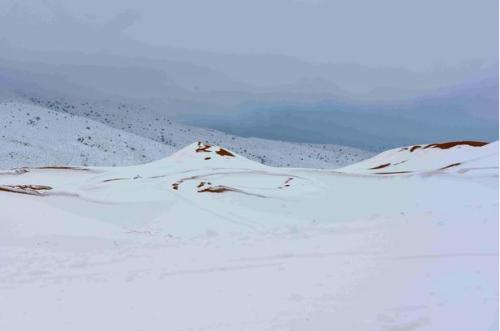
(363, 73)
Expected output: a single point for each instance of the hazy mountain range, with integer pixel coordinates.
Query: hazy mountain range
(49, 50)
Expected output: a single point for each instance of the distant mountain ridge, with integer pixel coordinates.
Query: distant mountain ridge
(111, 134)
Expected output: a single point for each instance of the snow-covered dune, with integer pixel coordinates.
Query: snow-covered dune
(206, 239)
(456, 156)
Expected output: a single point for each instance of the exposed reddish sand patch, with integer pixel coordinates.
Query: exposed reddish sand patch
(451, 165)
(207, 186)
(452, 144)
(380, 166)
(158, 176)
(222, 189)
(203, 147)
(224, 152)
(25, 189)
(63, 168)
(413, 148)
(33, 187)
(217, 189)
(114, 179)
(392, 172)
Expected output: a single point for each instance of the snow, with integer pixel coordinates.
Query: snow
(461, 158)
(102, 134)
(226, 243)
(35, 136)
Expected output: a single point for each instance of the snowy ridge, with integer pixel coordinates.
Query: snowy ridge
(302, 248)
(202, 155)
(198, 162)
(35, 136)
(95, 134)
(451, 157)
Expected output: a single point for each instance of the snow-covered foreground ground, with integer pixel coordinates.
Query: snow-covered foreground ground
(208, 240)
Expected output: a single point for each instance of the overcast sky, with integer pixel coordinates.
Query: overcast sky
(414, 34)
(417, 64)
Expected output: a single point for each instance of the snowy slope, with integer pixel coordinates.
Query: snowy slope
(208, 240)
(458, 156)
(156, 125)
(32, 135)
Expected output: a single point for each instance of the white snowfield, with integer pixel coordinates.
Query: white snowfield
(454, 157)
(208, 240)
